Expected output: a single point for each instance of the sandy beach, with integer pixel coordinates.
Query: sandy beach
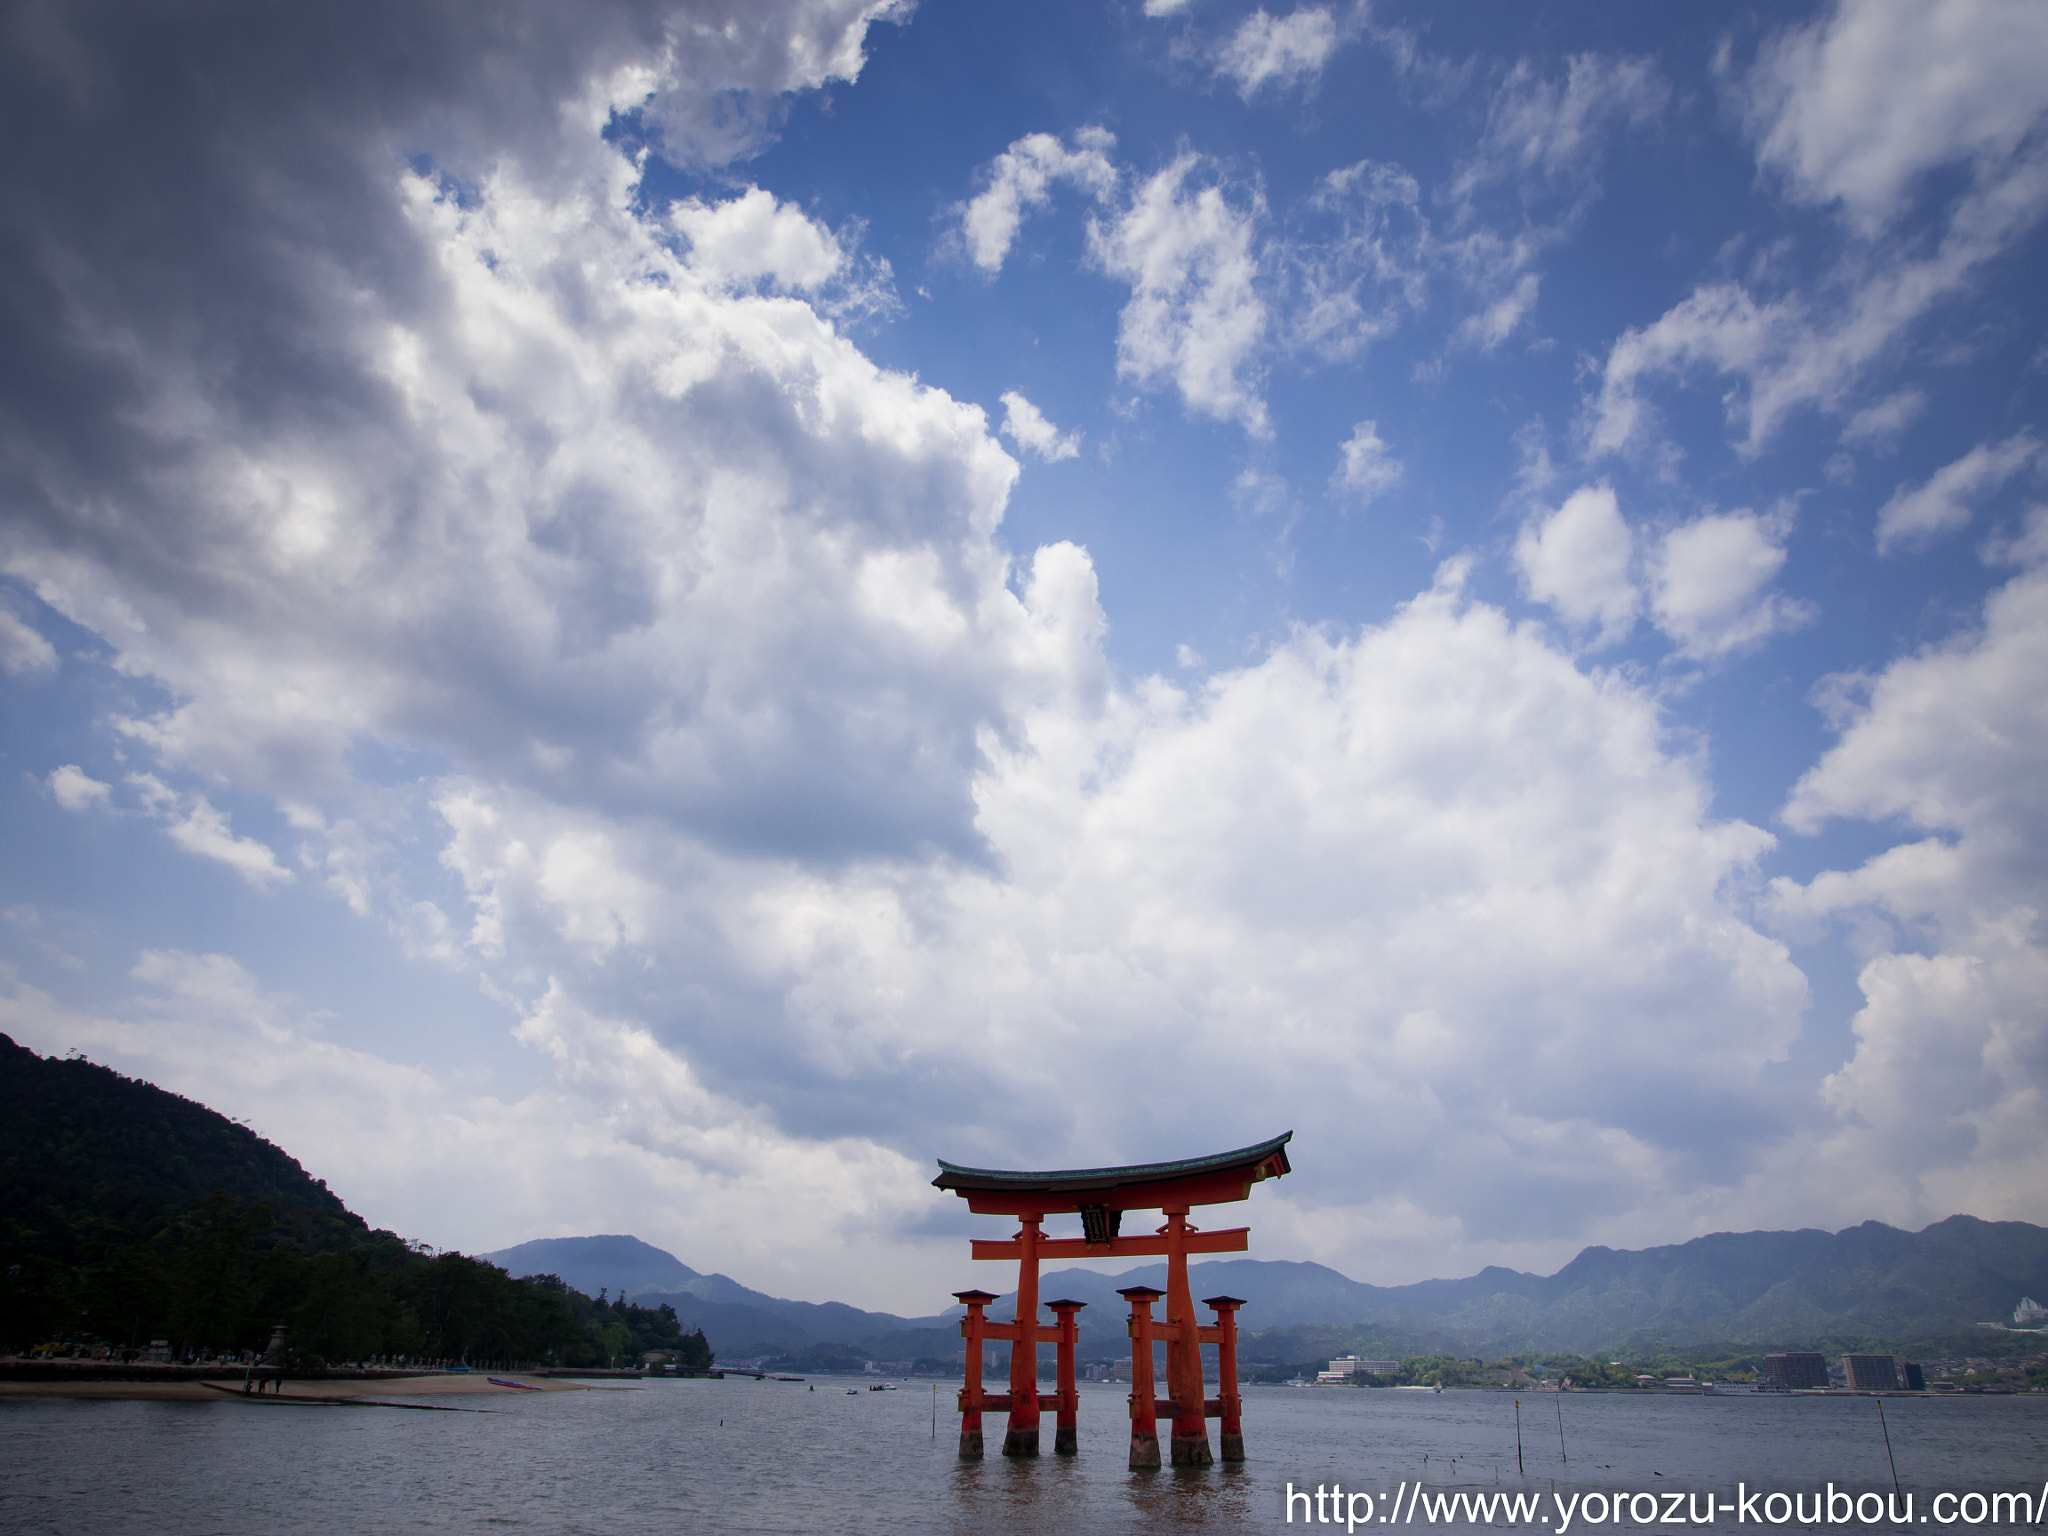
(474, 1384)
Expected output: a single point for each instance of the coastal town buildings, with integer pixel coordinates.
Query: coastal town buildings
(1345, 1367)
(1795, 1369)
(1871, 1373)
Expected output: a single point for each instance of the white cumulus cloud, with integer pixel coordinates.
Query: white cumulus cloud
(22, 650)
(1880, 423)
(76, 790)
(1196, 315)
(195, 826)
(1278, 51)
(1021, 181)
(1708, 587)
(1365, 468)
(1859, 105)
(1580, 560)
(1943, 503)
(754, 237)
(1941, 1106)
(1025, 425)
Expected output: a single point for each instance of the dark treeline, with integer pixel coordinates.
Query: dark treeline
(128, 1214)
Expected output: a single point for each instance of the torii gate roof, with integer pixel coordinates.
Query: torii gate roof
(1211, 1180)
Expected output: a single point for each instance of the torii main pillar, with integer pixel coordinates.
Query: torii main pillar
(1101, 1196)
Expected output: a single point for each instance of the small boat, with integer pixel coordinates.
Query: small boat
(499, 1381)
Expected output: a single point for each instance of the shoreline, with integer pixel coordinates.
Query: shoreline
(203, 1387)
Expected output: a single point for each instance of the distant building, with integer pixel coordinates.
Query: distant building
(1344, 1367)
(1871, 1373)
(1794, 1369)
(2029, 1314)
(1916, 1379)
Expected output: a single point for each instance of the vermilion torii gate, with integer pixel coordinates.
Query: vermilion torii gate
(1101, 1196)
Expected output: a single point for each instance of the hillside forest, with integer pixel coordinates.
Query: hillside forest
(131, 1217)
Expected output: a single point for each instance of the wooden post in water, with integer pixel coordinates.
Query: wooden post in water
(1184, 1349)
(1144, 1407)
(1022, 1438)
(1230, 1404)
(1066, 1434)
(971, 1327)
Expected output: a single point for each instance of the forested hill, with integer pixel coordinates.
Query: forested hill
(129, 1214)
(80, 1140)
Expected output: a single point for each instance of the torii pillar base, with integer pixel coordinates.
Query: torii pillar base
(1021, 1442)
(1144, 1450)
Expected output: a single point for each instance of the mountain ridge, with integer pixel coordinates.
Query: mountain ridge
(1763, 1288)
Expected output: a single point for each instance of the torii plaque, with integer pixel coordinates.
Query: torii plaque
(1101, 1196)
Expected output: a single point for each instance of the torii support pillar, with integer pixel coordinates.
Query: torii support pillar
(1144, 1407)
(1022, 1439)
(1227, 1399)
(1066, 1435)
(1183, 1349)
(972, 1328)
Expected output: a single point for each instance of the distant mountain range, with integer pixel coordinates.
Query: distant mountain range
(90, 1159)
(736, 1320)
(1744, 1288)
(1757, 1288)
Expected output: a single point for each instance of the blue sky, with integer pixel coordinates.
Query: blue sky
(623, 618)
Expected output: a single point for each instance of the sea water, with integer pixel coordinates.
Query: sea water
(765, 1456)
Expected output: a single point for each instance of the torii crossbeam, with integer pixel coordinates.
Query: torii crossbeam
(1101, 1196)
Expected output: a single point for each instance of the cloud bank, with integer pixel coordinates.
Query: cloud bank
(548, 578)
